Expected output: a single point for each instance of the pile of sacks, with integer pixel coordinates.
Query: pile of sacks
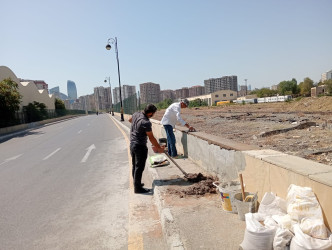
(295, 223)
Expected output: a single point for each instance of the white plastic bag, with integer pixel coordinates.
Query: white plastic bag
(272, 205)
(302, 241)
(157, 158)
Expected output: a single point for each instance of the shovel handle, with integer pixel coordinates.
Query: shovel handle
(242, 188)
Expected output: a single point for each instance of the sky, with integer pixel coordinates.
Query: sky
(175, 43)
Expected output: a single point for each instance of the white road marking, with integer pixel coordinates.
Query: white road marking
(86, 156)
(51, 154)
(79, 132)
(12, 158)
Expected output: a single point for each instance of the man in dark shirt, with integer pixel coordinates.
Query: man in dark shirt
(141, 128)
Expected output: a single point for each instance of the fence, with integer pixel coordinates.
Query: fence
(129, 105)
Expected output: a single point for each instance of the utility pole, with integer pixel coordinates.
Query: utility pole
(246, 86)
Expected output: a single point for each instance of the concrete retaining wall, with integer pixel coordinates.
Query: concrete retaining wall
(12, 129)
(263, 170)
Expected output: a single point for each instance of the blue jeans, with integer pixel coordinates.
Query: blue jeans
(170, 140)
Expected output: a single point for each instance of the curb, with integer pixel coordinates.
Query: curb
(170, 229)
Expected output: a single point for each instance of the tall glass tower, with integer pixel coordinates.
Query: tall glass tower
(71, 89)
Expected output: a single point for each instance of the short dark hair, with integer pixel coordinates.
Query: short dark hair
(150, 108)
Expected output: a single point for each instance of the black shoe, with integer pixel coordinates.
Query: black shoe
(142, 184)
(142, 190)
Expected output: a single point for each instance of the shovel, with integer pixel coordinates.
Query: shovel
(184, 172)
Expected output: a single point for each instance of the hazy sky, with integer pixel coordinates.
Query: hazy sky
(176, 43)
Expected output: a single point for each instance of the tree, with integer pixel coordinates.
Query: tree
(164, 104)
(288, 87)
(305, 86)
(197, 103)
(60, 108)
(10, 100)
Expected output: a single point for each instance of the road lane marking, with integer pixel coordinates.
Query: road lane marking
(135, 239)
(11, 159)
(79, 132)
(86, 156)
(51, 154)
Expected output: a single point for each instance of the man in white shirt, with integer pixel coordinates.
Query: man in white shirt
(171, 116)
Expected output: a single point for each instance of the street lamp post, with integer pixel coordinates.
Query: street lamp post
(111, 99)
(108, 47)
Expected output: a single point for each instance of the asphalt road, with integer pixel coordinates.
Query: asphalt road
(68, 186)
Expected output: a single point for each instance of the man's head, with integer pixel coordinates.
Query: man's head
(184, 103)
(149, 110)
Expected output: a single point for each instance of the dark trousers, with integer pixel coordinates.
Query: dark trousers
(170, 140)
(139, 153)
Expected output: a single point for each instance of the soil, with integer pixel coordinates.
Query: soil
(302, 128)
(196, 184)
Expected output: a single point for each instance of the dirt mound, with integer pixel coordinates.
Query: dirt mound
(201, 185)
(312, 104)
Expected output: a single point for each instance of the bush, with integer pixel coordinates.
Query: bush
(35, 111)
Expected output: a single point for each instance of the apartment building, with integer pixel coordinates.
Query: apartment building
(102, 98)
(127, 91)
(196, 90)
(223, 83)
(182, 93)
(149, 92)
(166, 94)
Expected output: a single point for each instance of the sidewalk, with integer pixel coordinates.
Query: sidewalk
(191, 222)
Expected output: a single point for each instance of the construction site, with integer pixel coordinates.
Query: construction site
(300, 127)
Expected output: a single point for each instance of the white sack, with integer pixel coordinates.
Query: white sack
(282, 239)
(302, 241)
(256, 235)
(272, 205)
(303, 207)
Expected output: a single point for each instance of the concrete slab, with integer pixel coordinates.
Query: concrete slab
(324, 178)
(290, 162)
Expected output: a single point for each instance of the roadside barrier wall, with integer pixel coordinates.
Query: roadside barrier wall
(263, 170)
(12, 129)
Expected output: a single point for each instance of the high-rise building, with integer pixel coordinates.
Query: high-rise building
(326, 76)
(116, 95)
(223, 83)
(56, 92)
(196, 91)
(128, 91)
(166, 94)
(149, 92)
(102, 98)
(182, 93)
(71, 90)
